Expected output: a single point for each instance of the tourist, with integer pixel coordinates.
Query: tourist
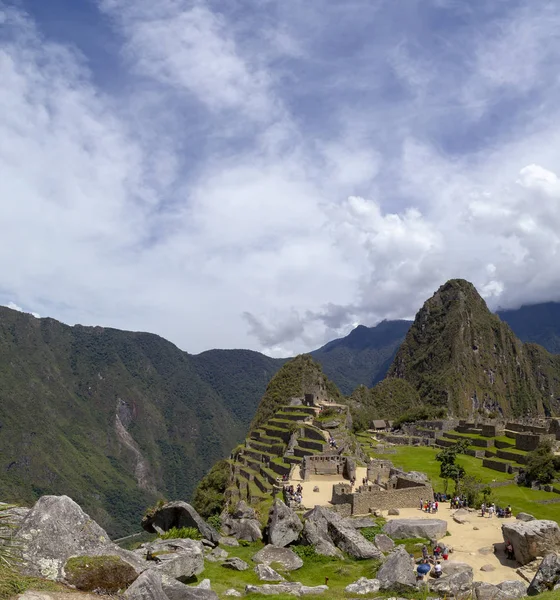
(425, 554)
(510, 555)
(421, 504)
(423, 569)
(437, 570)
(491, 510)
(508, 511)
(482, 509)
(436, 505)
(437, 552)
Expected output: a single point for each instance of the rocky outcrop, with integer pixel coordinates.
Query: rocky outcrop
(397, 573)
(316, 534)
(384, 542)
(429, 529)
(292, 589)
(547, 577)
(456, 582)
(54, 530)
(178, 514)
(274, 554)
(525, 517)
(175, 590)
(513, 588)
(461, 516)
(242, 524)
(284, 526)
(363, 586)
(266, 573)
(104, 574)
(184, 564)
(532, 538)
(348, 539)
(147, 587)
(349, 470)
(487, 591)
(235, 563)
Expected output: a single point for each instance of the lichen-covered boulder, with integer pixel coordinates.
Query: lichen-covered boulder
(54, 530)
(316, 534)
(384, 542)
(182, 565)
(105, 573)
(266, 573)
(235, 563)
(363, 586)
(242, 524)
(429, 529)
(531, 539)
(513, 588)
(397, 573)
(284, 526)
(547, 577)
(274, 554)
(456, 582)
(178, 514)
(348, 539)
(175, 590)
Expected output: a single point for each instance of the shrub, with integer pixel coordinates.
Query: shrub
(370, 532)
(151, 510)
(181, 532)
(215, 522)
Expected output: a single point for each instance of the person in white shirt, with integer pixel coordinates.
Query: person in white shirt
(437, 570)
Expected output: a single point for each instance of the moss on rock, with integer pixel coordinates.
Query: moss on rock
(105, 573)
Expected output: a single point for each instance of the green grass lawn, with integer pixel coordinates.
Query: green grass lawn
(340, 573)
(521, 499)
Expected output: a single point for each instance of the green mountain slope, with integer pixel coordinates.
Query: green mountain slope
(111, 418)
(459, 355)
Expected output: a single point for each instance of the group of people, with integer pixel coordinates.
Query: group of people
(293, 495)
(492, 509)
(459, 502)
(429, 506)
(431, 562)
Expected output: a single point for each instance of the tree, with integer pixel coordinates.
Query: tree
(448, 469)
(542, 465)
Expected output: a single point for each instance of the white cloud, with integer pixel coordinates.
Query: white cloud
(257, 186)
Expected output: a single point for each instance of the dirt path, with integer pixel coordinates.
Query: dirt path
(467, 543)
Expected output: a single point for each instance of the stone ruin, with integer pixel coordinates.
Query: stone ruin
(387, 487)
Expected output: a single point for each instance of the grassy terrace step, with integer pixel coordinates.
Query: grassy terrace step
(504, 442)
(293, 460)
(280, 423)
(308, 410)
(256, 434)
(270, 439)
(293, 417)
(260, 455)
(299, 451)
(274, 449)
(311, 444)
(274, 431)
(269, 475)
(280, 467)
(313, 433)
(256, 477)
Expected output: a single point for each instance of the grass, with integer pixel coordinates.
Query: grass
(313, 572)
(13, 583)
(521, 499)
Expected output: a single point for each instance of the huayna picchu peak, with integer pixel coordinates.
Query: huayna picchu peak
(460, 356)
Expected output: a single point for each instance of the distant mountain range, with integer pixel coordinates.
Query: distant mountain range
(117, 419)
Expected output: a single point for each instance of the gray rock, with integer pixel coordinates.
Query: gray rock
(384, 542)
(401, 529)
(178, 514)
(315, 533)
(205, 584)
(397, 572)
(513, 588)
(292, 589)
(461, 516)
(284, 526)
(348, 539)
(235, 563)
(488, 568)
(316, 488)
(229, 541)
(286, 557)
(172, 545)
(457, 581)
(242, 527)
(363, 586)
(486, 550)
(175, 590)
(525, 517)
(306, 590)
(360, 522)
(266, 573)
(216, 555)
(349, 470)
(55, 529)
(148, 586)
(487, 591)
(207, 543)
(244, 511)
(531, 539)
(182, 565)
(232, 592)
(393, 511)
(547, 577)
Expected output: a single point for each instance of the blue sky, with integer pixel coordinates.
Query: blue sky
(269, 173)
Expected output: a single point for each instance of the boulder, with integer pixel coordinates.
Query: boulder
(360, 522)
(243, 511)
(316, 534)
(175, 590)
(266, 573)
(522, 516)
(205, 584)
(401, 529)
(108, 574)
(229, 541)
(55, 529)
(384, 542)
(182, 565)
(363, 586)
(232, 592)
(316, 488)
(461, 516)
(513, 588)
(488, 568)
(235, 563)
(307, 590)
(547, 577)
(532, 538)
(456, 581)
(275, 554)
(216, 555)
(393, 511)
(178, 514)
(348, 539)
(291, 589)
(242, 524)
(172, 546)
(284, 526)
(397, 572)
(487, 591)
(148, 586)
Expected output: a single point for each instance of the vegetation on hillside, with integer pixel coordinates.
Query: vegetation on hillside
(209, 495)
(460, 356)
(543, 466)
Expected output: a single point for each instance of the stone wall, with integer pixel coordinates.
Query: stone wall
(497, 465)
(530, 441)
(320, 464)
(493, 430)
(379, 470)
(367, 501)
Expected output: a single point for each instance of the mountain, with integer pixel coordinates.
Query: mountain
(460, 356)
(114, 419)
(538, 323)
(363, 356)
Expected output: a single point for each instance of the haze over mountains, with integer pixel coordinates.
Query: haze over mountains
(116, 419)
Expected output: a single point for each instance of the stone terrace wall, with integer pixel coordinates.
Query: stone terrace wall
(379, 470)
(367, 501)
(323, 465)
(530, 441)
(493, 430)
